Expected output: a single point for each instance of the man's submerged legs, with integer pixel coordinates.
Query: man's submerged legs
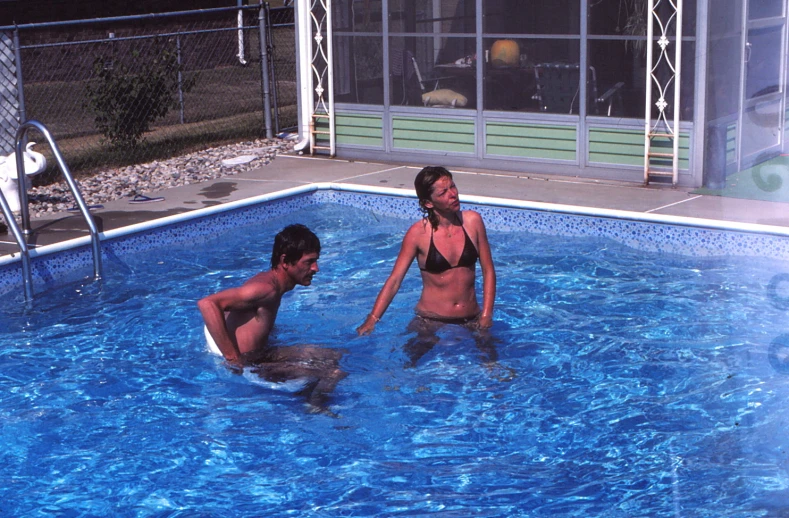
(318, 367)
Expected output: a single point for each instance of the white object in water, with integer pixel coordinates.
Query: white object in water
(34, 163)
(210, 341)
(238, 160)
(292, 385)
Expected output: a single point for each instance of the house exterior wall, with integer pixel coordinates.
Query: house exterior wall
(504, 120)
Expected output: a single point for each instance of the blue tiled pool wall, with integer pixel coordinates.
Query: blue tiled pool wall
(651, 237)
(70, 265)
(75, 264)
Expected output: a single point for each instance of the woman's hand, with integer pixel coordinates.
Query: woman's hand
(485, 321)
(368, 326)
(500, 372)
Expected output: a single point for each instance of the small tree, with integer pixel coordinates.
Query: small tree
(126, 103)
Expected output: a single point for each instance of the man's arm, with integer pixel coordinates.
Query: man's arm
(244, 298)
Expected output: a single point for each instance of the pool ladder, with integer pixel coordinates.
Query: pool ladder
(24, 210)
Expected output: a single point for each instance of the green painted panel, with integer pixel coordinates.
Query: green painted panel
(534, 131)
(540, 143)
(426, 145)
(452, 135)
(543, 153)
(731, 143)
(416, 122)
(359, 141)
(550, 142)
(455, 138)
(626, 147)
(362, 121)
(617, 137)
(355, 129)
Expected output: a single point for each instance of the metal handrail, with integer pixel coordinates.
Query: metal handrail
(27, 278)
(21, 134)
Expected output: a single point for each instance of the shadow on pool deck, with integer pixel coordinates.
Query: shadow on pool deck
(288, 171)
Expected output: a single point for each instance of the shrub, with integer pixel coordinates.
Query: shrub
(126, 103)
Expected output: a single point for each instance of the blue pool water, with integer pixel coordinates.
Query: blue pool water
(645, 385)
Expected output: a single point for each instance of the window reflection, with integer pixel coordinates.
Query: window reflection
(621, 62)
(628, 18)
(358, 53)
(530, 17)
(435, 16)
(763, 67)
(530, 55)
(616, 51)
(518, 70)
(760, 9)
(358, 69)
(357, 16)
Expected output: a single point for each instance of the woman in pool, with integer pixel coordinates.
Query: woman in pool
(446, 244)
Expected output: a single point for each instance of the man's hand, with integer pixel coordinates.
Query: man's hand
(236, 367)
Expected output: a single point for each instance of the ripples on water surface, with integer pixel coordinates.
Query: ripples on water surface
(646, 385)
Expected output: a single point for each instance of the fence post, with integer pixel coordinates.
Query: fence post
(273, 75)
(264, 68)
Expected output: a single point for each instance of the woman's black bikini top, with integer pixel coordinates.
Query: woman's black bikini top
(437, 263)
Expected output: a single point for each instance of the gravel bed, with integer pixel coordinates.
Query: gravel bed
(144, 179)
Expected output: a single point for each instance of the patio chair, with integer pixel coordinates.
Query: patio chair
(558, 87)
(418, 89)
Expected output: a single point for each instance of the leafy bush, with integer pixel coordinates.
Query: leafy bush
(126, 103)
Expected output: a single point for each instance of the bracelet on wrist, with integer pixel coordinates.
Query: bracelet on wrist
(374, 318)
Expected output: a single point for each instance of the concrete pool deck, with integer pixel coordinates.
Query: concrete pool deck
(288, 171)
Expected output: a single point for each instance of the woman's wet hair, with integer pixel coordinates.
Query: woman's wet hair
(294, 241)
(423, 183)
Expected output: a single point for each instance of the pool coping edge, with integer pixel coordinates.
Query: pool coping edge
(685, 221)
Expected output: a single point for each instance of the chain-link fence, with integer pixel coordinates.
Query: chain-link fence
(135, 89)
(282, 41)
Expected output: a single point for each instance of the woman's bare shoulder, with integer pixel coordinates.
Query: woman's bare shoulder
(418, 229)
(472, 217)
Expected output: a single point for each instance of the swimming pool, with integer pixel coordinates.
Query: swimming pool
(648, 383)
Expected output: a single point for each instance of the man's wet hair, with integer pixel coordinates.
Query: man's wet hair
(294, 241)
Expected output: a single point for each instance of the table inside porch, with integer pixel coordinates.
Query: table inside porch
(504, 88)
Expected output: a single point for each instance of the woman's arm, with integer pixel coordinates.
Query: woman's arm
(406, 256)
(488, 273)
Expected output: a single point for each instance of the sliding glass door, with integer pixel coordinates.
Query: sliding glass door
(763, 87)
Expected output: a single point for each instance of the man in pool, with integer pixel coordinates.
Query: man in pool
(239, 320)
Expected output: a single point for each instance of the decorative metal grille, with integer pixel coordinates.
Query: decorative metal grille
(664, 76)
(322, 76)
